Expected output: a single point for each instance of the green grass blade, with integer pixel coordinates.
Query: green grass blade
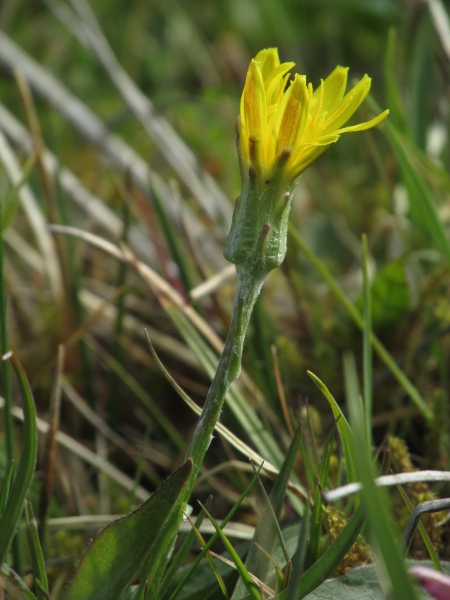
(367, 346)
(16, 582)
(183, 552)
(373, 498)
(422, 203)
(147, 402)
(4, 348)
(328, 562)
(345, 432)
(213, 538)
(37, 557)
(267, 531)
(126, 546)
(6, 485)
(251, 586)
(212, 564)
(421, 68)
(172, 237)
(25, 471)
(298, 562)
(11, 202)
(316, 520)
(117, 350)
(394, 100)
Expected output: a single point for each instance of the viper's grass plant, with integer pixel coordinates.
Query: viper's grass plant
(151, 222)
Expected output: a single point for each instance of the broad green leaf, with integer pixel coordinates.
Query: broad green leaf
(362, 582)
(122, 548)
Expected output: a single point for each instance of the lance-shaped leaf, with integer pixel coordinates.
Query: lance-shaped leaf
(125, 546)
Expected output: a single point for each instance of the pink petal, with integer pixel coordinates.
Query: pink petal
(435, 583)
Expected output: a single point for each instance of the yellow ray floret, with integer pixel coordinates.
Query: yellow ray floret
(294, 124)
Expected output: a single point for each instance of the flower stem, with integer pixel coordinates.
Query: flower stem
(228, 369)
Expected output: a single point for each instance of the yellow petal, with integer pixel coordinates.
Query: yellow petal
(269, 60)
(366, 125)
(275, 82)
(350, 103)
(333, 88)
(292, 112)
(307, 122)
(253, 104)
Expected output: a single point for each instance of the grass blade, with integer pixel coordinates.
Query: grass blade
(37, 557)
(25, 471)
(268, 529)
(327, 563)
(367, 346)
(374, 499)
(6, 485)
(250, 585)
(342, 425)
(213, 538)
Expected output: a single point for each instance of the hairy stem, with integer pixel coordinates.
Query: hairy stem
(228, 369)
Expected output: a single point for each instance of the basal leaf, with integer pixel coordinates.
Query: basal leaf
(359, 583)
(122, 548)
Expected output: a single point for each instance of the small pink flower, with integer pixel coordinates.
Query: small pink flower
(435, 583)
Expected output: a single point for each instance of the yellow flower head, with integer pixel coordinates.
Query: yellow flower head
(294, 125)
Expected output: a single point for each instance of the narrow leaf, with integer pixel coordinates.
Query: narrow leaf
(267, 529)
(37, 557)
(327, 563)
(252, 588)
(24, 474)
(373, 498)
(6, 484)
(342, 425)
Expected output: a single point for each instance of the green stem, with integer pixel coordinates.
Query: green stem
(228, 369)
